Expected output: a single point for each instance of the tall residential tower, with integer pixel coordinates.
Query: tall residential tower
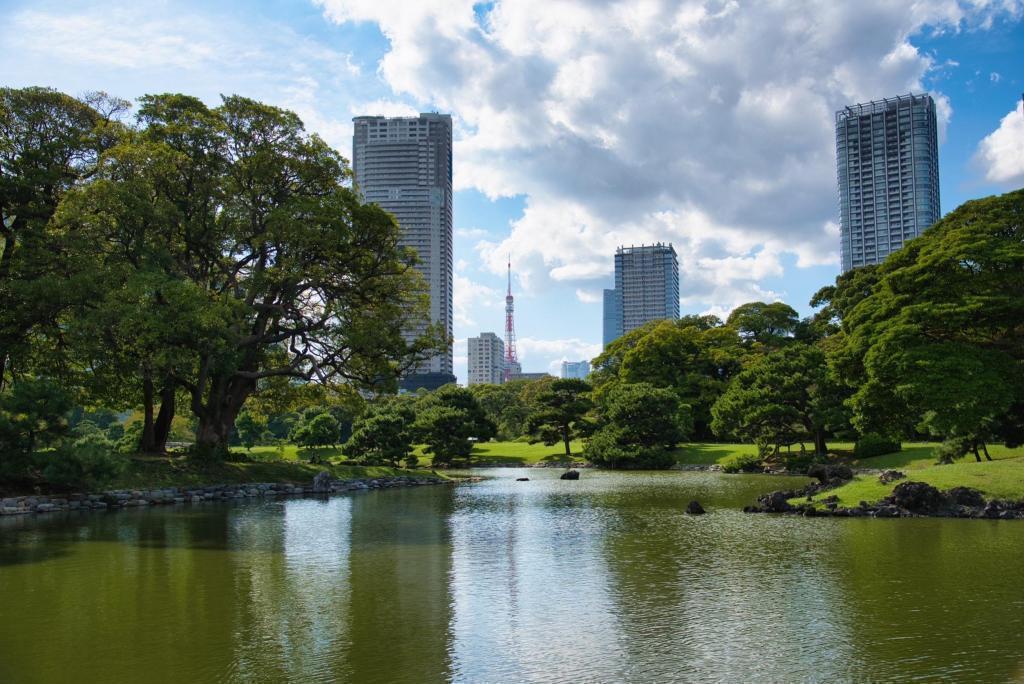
(887, 154)
(404, 164)
(646, 289)
(486, 360)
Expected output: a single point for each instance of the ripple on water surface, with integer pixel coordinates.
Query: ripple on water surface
(603, 579)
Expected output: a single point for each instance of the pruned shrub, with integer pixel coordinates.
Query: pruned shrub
(741, 463)
(871, 445)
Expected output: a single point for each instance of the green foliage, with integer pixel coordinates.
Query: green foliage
(508, 405)
(871, 445)
(741, 463)
(639, 426)
(382, 435)
(693, 358)
(783, 397)
(768, 324)
(937, 345)
(33, 415)
(91, 461)
(320, 430)
(448, 421)
(560, 412)
(251, 429)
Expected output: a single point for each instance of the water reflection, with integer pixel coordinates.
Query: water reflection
(605, 579)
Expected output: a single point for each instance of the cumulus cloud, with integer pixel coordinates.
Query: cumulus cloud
(469, 296)
(709, 125)
(1001, 152)
(538, 355)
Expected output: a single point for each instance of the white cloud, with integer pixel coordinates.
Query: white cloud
(589, 296)
(994, 77)
(383, 107)
(537, 355)
(469, 296)
(707, 125)
(1001, 152)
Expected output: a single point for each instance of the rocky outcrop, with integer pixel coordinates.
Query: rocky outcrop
(887, 476)
(909, 499)
(323, 483)
(694, 508)
(830, 474)
(570, 475)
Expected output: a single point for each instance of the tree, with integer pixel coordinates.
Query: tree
(560, 413)
(695, 361)
(938, 343)
(449, 420)
(33, 415)
(246, 256)
(639, 425)
(382, 435)
(49, 143)
(250, 428)
(320, 431)
(768, 324)
(782, 397)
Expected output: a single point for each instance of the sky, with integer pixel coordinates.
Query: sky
(582, 126)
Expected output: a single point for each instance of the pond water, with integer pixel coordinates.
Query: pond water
(604, 579)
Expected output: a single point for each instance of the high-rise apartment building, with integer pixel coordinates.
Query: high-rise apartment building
(486, 360)
(404, 164)
(575, 369)
(887, 154)
(646, 288)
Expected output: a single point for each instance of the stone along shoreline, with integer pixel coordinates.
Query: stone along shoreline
(323, 484)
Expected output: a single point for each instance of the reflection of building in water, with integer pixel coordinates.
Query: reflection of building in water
(400, 564)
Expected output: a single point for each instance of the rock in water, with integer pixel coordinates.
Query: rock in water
(522, 479)
(570, 475)
(322, 482)
(694, 508)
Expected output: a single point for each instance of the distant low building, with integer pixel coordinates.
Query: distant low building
(530, 376)
(575, 369)
(486, 360)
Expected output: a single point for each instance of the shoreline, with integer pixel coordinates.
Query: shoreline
(117, 499)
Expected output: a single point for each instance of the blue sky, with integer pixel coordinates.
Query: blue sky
(584, 125)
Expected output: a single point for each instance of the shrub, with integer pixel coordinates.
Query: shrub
(741, 463)
(411, 461)
(608, 447)
(90, 461)
(871, 445)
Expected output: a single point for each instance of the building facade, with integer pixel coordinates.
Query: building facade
(887, 154)
(404, 164)
(529, 376)
(486, 360)
(646, 289)
(611, 329)
(575, 369)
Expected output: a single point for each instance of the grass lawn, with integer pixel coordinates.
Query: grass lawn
(516, 453)
(1000, 479)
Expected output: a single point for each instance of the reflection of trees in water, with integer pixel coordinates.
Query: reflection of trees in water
(938, 598)
(400, 606)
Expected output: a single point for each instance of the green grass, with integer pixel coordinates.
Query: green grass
(516, 453)
(158, 472)
(918, 455)
(1002, 479)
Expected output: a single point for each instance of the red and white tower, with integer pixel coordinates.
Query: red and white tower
(511, 358)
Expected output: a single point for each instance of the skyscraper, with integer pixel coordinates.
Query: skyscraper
(575, 369)
(404, 164)
(646, 289)
(486, 360)
(612, 324)
(887, 154)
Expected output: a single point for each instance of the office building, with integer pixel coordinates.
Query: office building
(646, 289)
(887, 153)
(404, 164)
(486, 360)
(612, 324)
(575, 369)
(529, 376)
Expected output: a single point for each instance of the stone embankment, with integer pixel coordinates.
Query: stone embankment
(908, 500)
(322, 485)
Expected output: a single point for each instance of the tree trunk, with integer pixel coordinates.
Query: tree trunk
(820, 447)
(984, 447)
(977, 456)
(217, 416)
(565, 440)
(164, 419)
(147, 443)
